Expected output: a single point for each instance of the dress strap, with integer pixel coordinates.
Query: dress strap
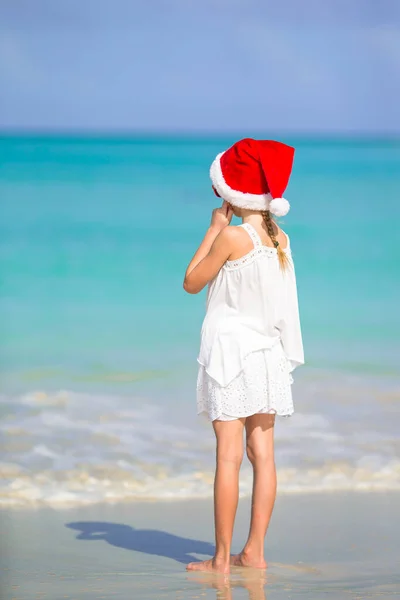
(255, 238)
(287, 240)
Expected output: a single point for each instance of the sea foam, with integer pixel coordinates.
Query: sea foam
(68, 448)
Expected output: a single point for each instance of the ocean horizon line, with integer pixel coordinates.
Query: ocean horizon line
(139, 135)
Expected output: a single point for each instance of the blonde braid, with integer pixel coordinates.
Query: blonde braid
(282, 256)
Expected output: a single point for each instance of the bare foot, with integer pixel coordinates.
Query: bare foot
(244, 559)
(213, 564)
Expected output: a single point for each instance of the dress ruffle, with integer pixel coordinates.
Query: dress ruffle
(223, 353)
(262, 386)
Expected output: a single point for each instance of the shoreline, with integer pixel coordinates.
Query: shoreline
(138, 500)
(69, 448)
(319, 544)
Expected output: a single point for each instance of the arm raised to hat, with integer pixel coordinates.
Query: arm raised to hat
(212, 253)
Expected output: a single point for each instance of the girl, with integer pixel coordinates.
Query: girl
(250, 339)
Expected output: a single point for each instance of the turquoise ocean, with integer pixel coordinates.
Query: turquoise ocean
(99, 341)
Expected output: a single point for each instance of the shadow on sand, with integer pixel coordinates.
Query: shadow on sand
(148, 541)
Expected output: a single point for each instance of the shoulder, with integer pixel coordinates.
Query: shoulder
(234, 242)
(285, 237)
(232, 233)
(230, 237)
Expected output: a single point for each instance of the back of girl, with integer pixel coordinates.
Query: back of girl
(251, 338)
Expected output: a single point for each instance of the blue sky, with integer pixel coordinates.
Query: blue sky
(200, 65)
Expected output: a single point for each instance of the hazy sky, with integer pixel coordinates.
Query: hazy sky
(297, 65)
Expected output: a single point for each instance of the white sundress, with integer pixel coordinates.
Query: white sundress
(251, 337)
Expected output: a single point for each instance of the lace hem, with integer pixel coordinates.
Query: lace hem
(263, 411)
(264, 385)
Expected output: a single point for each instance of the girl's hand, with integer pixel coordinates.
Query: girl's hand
(221, 217)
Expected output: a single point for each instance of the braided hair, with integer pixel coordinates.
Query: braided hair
(282, 256)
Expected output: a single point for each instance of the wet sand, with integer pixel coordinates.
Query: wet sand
(334, 546)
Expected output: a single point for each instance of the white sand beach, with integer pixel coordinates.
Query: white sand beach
(332, 546)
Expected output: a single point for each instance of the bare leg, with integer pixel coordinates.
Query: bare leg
(260, 450)
(229, 436)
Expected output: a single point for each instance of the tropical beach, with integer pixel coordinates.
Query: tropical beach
(111, 114)
(332, 546)
(99, 356)
(101, 441)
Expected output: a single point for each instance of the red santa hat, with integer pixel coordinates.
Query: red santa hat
(254, 174)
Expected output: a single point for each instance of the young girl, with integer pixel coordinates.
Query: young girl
(250, 339)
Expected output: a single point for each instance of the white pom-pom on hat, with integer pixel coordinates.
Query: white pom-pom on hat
(279, 207)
